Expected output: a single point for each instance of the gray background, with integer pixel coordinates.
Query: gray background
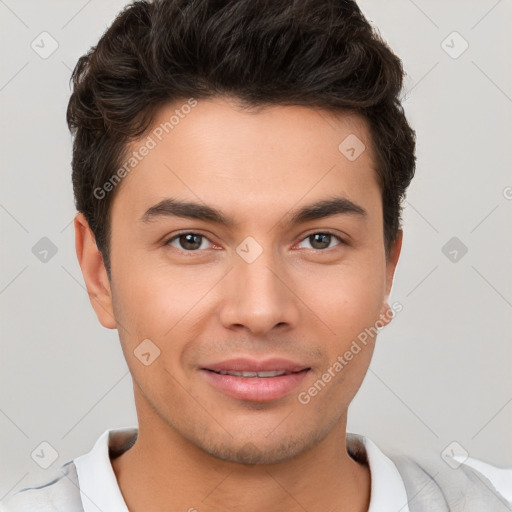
(441, 370)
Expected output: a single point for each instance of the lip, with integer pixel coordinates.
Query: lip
(256, 389)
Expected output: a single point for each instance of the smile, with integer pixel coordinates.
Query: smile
(263, 375)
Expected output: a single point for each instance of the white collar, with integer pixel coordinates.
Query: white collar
(387, 486)
(100, 491)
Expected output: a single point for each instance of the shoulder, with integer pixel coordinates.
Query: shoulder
(60, 494)
(432, 484)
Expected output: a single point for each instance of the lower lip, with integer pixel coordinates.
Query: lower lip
(256, 389)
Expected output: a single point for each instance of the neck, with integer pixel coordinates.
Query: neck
(164, 471)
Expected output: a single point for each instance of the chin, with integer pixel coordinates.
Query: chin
(263, 451)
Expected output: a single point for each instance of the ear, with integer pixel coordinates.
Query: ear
(94, 272)
(386, 314)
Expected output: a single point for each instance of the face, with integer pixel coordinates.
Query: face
(268, 290)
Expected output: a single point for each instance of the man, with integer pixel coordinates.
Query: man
(238, 169)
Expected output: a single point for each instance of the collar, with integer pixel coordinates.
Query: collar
(387, 486)
(100, 491)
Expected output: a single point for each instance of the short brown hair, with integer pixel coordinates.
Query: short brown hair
(317, 53)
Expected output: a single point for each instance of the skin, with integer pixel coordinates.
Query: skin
(198, 447)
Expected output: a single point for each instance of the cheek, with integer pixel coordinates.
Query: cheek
(159, 301)
(348, 299)
(149, 308)
(349, 303)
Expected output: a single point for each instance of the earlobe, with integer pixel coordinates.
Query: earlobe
(94, 272)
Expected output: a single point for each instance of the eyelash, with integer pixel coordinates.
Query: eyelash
(177, 236)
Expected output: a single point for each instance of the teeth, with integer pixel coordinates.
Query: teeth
(254, 374)
(271, 374)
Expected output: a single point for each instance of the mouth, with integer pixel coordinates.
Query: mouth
(252, 375)
(255, 381)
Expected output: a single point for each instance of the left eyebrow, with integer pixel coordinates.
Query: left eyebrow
(170, 207)
(327, 208)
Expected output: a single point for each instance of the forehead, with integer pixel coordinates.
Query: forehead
(249, 160)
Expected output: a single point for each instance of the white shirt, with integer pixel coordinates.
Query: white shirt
(88, 482)
(100, 490)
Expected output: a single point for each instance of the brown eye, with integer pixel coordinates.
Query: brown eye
(321, 240)
(187, 241)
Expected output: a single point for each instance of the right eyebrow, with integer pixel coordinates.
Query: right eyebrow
(170, 207)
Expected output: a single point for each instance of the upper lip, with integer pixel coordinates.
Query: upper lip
(244, 364)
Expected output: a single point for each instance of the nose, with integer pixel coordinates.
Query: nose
(259, 296)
